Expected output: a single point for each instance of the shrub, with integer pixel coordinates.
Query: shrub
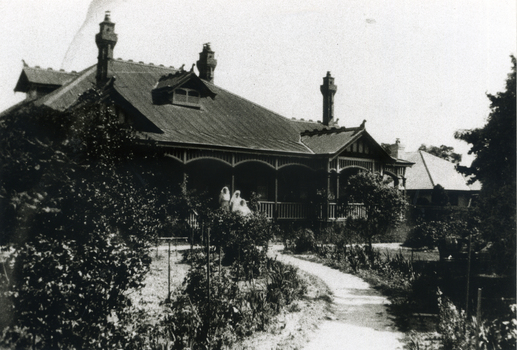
(195, 322)
(432, 234)
(243, 239)
(304, 241)
(383, 206)
(459, 332)
(69, 294)
(426, 235)
(284, 284)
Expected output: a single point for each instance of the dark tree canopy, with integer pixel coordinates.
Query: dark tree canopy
(74, 204)
(444, 152)
(384, 205)
(439, 196)
(494, 146)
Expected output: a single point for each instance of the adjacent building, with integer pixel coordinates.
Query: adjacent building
(429, 171)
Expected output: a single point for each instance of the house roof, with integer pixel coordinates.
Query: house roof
(224, 120)
(330, 141)
(37, 75)
(335, 140)
(429, 171)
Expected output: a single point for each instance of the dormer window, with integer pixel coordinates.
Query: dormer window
(186, 97)
(181, 89)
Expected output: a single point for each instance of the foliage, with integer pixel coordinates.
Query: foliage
(439, 196)
(284, 284)
(494, 146)
(459, 332)
(232, 312)
(433, 233)
(243, 239)
(384, 205)
(304, 241)
(500, 333)
(182, 205)
(443, 152)
(82, 222)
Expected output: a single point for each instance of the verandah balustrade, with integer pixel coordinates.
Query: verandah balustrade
(302, 211)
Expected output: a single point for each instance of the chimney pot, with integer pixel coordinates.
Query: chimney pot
(106, 40)
(328, 89)
(206, 63)
(398, 150)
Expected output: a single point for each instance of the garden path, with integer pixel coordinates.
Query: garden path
(360, 317)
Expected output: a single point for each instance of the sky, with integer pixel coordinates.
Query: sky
(417, 70)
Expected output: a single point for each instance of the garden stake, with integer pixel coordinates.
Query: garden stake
(468, 279)
(169, 274)
(208, 282)
(191, 240)
(478, 318)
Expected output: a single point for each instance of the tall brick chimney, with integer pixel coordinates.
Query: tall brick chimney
(106, 40)
(328, 89)
(398, 150)
(206, 63)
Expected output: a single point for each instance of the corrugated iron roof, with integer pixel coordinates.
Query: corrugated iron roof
(38, 75)
(429, 171)
(67, 95)
(331, 140)
(226, 120)
(223, 120)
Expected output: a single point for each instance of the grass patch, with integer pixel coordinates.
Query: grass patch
(151, 297)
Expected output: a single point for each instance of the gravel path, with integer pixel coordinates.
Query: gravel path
(360, 318)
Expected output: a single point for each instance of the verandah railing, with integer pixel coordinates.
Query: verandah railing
(342, 211)
(300, 211)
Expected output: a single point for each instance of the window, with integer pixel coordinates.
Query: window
(186, 97)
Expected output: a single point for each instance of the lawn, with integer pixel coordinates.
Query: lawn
(411, 254)
(157, 283)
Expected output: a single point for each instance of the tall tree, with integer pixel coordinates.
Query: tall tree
(81, 223)
(494, 146)
(384, 205)
(444, 152)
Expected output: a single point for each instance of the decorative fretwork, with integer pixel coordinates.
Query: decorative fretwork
(398, 170)
(360, 147)
(333, 164)
(176, 154)
(361, 163)
(245, 157)
(197, 154)
(284, 161)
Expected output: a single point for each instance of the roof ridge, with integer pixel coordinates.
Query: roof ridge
(426, 167)
(54, 95)
(330, 130)
(50, 69)
(142, 63)
(293, 119)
